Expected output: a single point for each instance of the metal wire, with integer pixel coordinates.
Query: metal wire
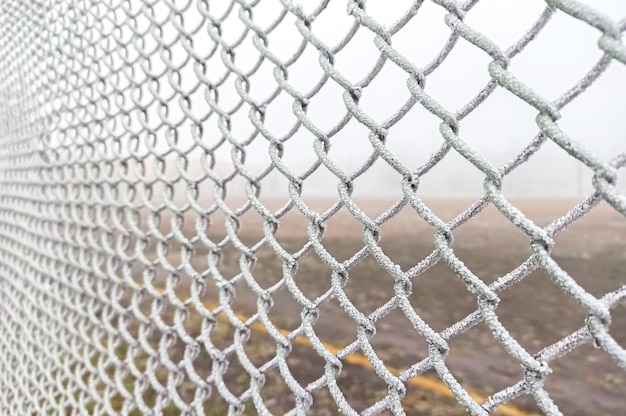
(96, 97)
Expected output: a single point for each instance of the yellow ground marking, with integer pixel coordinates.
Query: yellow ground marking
(358, 359)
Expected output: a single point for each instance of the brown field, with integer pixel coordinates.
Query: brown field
(534, 311)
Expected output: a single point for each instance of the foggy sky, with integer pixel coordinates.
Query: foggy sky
(498, 129)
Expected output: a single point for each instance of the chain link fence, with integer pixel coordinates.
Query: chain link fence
(121, 146)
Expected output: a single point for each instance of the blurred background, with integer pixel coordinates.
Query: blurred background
(500, 128)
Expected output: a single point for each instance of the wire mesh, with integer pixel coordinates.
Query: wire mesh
(115, 124)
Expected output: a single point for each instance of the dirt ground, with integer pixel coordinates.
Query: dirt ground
(534, 311)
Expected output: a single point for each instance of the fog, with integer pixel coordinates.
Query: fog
(498, 129)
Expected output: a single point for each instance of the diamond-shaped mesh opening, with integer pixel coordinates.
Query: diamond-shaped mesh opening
(515, 121)
(368, 286)
(427, 300)
(464, 72)
(375, 100)
(398, 353)
(524, 312)
(502, 369)
(355, 377)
